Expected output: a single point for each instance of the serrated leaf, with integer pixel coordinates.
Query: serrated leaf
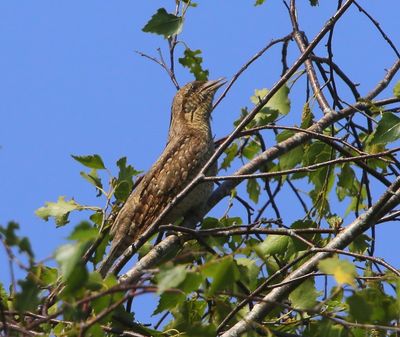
(305, 295)
(360, 244)
(164, 23)
(279, 102)
(28, 297)
(171, 278)
(388, 129)
(168, 300)
(343, 271)
(224, 273)
(191, 282)
(92, 161)
(273, 244)
(126, 172)
(193, 61)
(58, 210)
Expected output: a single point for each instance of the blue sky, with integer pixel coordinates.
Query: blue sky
(71, 83)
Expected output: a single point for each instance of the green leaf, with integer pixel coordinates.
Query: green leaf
(97, 218)
(248, 271)
(58, 210)
(253, 189)
(12, 239)
(342, 270)
(171, 278)
(305, 295)
(360, 244)
(28, 297)
(169, 300)
(379, 307)
(359, 308)
(388, 129)
(191, 282)
(122, 191)
(259, 2)
(224, 273)
(273, 244)
(95, 330)
(396, 89)
(347, 185)
(306, 117)
(84, 232)
(164, 23)
(279, 102)
(93, 178)
(292, 158)
(230, 153)
(25, 246)
(92, 161)
(46, 275)
(126, 172)
(193, 61)
(3, 297)
(74, 272)
(251, 149)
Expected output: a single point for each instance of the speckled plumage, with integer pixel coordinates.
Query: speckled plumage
(189, 147)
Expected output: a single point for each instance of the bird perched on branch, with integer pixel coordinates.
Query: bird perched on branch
(189, 147)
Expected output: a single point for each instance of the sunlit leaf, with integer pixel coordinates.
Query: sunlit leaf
(224, 273)
(343, 271)
(305, 295)
(92, 161)
(93, 178)
(273, 244)
(396, 89)
(279, 102)
(388, 129)
(58, 210)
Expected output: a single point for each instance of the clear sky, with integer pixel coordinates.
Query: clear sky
(71, 83)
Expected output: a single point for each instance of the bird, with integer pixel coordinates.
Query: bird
(189, 146)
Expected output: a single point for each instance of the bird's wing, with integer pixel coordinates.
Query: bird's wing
(175, 168)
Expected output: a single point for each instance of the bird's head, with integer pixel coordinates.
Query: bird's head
(192, 105)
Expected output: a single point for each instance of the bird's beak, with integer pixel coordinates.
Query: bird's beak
(214, 85)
